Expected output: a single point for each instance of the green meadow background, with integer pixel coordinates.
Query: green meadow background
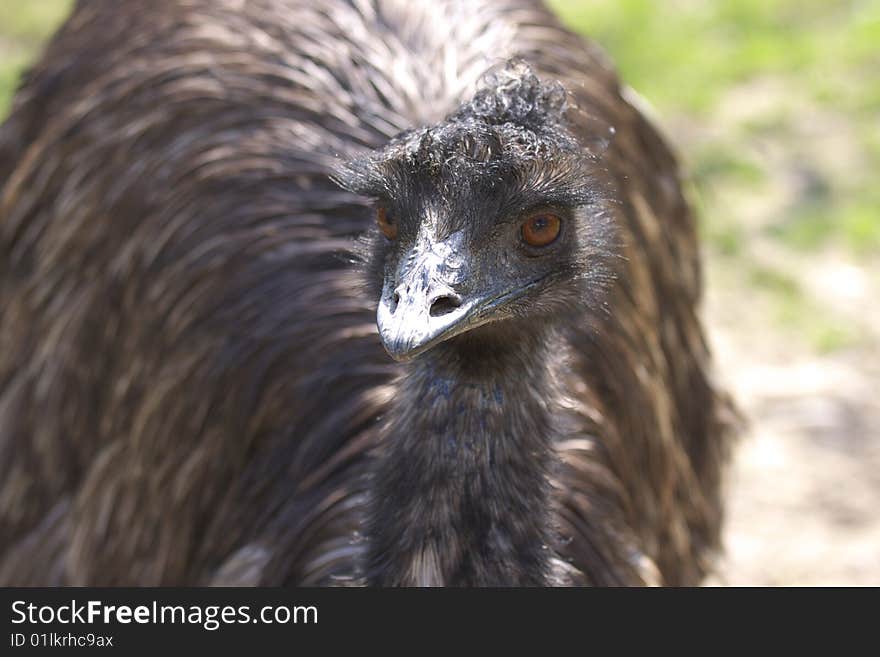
(774, 108)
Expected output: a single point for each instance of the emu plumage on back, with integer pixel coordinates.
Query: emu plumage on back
(193, 388)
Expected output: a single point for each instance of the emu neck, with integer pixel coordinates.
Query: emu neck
(461, 492)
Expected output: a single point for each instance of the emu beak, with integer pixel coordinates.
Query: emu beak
(415, 319)
(420, 307)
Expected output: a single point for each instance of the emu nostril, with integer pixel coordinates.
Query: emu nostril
(445, 304)
(395, 299)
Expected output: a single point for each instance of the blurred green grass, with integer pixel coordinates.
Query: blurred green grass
(684, 54)
(822, 56)
(24, 25)
(773, 104)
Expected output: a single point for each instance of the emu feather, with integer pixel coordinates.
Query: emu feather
(192, 384)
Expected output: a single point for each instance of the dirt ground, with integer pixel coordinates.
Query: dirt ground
(804, 487)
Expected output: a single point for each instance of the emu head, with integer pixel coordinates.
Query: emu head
(493, 216)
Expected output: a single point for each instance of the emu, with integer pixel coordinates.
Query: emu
(218, 220)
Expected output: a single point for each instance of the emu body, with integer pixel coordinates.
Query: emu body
(193, 389)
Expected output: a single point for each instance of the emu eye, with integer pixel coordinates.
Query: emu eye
(541, 229)
(386, 223)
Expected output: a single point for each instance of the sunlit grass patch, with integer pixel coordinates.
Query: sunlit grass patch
(24, 25)
(31, 20)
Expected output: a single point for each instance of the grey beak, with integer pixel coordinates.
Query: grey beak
(420, 307)
(414, 317)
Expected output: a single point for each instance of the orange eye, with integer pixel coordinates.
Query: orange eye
(386, 223)
(541, 229)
